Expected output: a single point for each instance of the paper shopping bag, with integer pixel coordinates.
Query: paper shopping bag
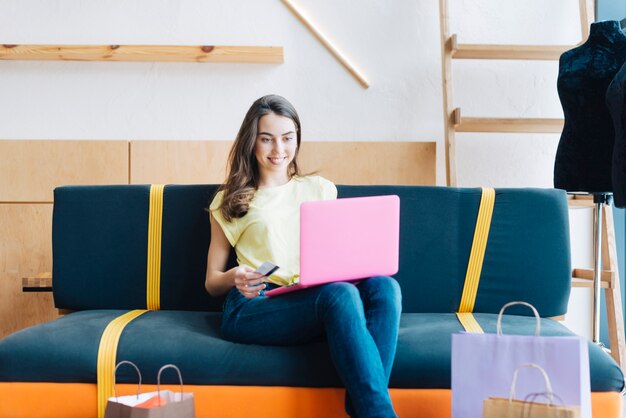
(505, 408)
(514, 408)
(172, 405)
(159, 404)
(482, 366)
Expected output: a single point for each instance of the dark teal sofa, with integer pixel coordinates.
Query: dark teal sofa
(99, 272)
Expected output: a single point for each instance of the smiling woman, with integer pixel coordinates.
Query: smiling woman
(269, 118)
(257, 211)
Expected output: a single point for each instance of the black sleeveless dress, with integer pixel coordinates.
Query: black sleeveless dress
(616, 102)
(585, 152)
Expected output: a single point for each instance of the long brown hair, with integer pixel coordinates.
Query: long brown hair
(243, 170)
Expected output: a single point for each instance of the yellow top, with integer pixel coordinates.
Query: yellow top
(270, 231)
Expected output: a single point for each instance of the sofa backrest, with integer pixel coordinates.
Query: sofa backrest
(527, 256)
(100, 247)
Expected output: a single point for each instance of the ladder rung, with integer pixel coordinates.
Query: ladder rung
(506, 52)
(576, 282)
(588, 274)
(509, 125)
(580, 201)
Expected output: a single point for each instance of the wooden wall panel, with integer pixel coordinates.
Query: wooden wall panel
(409, 163)
(186, 162)
(25, 250)
(30, 170)
(181, 162)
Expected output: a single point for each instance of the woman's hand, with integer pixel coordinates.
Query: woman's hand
(248, 282)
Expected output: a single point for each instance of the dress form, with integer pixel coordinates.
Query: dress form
(584, 155)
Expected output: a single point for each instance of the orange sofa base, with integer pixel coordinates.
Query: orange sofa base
(78, 400)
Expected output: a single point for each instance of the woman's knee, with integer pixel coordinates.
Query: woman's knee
(385, 287)
(339, 296)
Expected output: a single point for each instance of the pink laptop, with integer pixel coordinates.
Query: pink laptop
(347, 239)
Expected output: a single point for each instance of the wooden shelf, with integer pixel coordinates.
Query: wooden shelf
(170, 53)
(506, 52)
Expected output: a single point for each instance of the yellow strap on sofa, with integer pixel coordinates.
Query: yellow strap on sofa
(107, 353)
(155, 223)
(475, 265)
(107, 350)
(469, 323)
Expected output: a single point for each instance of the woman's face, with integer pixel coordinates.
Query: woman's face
(276, 143)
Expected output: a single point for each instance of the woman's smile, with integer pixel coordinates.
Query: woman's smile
(277, 160)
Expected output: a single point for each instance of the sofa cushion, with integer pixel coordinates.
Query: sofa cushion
(65, 350)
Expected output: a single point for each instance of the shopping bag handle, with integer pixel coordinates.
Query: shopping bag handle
(531, 398)
(549, 393)
(538, 318)
(180, 379)
(115, 372)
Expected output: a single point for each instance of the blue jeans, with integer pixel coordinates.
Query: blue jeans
(359, 321)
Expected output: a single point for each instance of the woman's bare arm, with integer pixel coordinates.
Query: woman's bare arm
(218, 281)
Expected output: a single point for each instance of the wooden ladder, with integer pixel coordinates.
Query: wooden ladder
(609, 278)
(455, 122)
(451, 49)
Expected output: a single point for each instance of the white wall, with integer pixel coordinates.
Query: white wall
(395, 43)
(208, 101)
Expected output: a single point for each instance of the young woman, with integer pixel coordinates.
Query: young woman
(257, 212)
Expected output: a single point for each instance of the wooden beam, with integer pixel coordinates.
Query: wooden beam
(613, 294)
(327, 44)
(169, 53)
(518, 125)
(448, 103)
(587, 16)
(506, 52)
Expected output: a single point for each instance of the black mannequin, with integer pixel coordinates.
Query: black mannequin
(616, 103)
(584, 155)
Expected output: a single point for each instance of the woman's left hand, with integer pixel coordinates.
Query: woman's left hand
(248, 282)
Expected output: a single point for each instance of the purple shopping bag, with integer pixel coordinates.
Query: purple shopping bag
(482, 366)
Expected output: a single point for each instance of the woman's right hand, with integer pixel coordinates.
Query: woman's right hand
(247, 282)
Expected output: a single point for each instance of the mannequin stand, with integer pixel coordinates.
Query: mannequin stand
(599, 199)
